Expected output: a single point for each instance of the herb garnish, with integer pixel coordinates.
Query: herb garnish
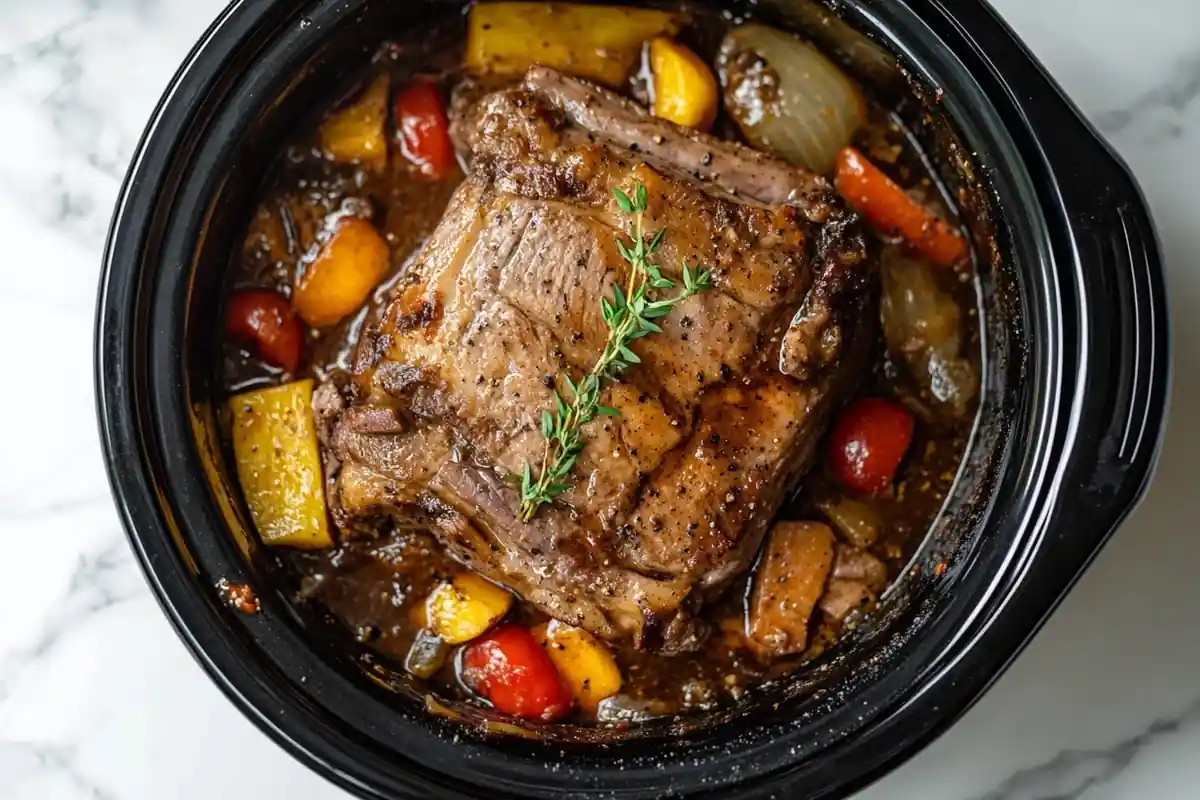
(630, 315)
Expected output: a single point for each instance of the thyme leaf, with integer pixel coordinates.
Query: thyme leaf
(629, 315)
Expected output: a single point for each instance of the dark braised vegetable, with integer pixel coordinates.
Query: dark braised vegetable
(923, 325)
(858, 522)
(537, 447)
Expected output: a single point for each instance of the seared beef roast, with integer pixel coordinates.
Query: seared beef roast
(718, 422)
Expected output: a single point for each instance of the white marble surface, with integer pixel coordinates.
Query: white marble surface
(98, 699)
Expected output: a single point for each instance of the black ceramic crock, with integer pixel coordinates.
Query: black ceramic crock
(1075, 385)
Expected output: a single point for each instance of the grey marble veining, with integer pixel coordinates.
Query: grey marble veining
(98, 699)
(1073, 774)
(1167, 104)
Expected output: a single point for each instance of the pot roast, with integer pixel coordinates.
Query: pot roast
(719, 421)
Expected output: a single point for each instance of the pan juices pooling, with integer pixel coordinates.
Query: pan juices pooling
(606, 366)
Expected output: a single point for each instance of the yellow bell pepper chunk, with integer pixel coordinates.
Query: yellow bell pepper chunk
(279, 466)
(347, 268)
(602, 43)
(685, 91)
(357, 134)
(466, 607)
(585, 664)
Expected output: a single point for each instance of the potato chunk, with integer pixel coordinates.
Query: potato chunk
(790, 581)
(598, 42)
(357, 134)
(466, 607)
(585, 664)
(278, 465)
(685, 91)
(348, 267)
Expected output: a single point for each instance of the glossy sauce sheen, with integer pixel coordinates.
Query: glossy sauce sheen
(376, 585)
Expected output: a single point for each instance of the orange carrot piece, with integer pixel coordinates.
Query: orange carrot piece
(892, 211)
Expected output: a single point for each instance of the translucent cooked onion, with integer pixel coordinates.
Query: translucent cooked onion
(923, 325)
(787, 97)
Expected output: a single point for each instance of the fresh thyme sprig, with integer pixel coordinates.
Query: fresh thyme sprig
(629, 315)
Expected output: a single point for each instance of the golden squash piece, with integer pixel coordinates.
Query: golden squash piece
(347, 268)
(585, 664)
(598, 42)
(685, 91)
(358, 133)
(791, 579)
(279, 467)
(466, 607)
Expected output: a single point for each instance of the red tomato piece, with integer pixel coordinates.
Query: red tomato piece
(887, 207)
(424, 129)
(263, 321)
(868, 442)
(510, 668)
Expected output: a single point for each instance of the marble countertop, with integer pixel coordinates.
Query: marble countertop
(99, 699)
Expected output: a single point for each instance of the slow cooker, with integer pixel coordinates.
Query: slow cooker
(1074, 323)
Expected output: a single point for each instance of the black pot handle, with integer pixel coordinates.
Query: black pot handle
(1121, 320)
(1124, 392)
